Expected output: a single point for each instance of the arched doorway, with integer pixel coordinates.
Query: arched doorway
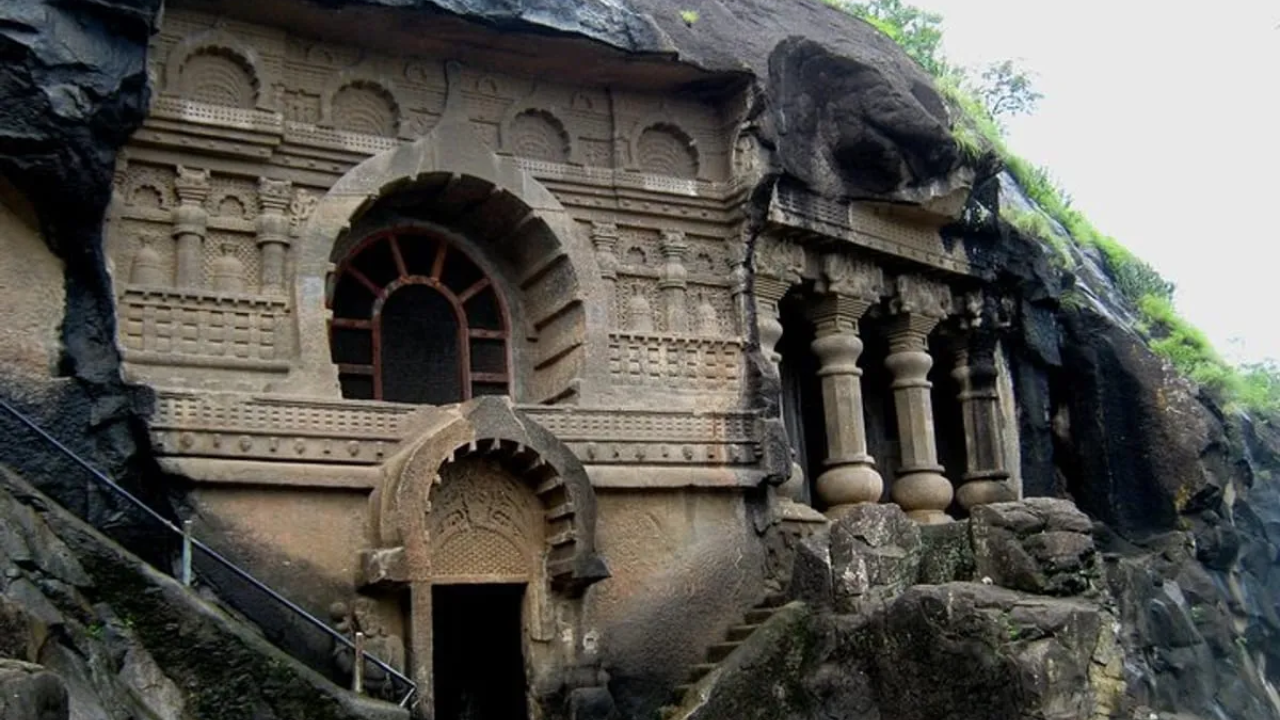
(487, 550)
(416, 320)
(488, 515)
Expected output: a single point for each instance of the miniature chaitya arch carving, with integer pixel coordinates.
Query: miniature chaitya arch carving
(663, 148)
(537, 133)
(214, 67)
(366, 108)
(415, 319)
(359, 100)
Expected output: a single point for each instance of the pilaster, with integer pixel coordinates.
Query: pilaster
(778, 266)
(190, 226)
(604, 237)
(674, 281)
(273, 233)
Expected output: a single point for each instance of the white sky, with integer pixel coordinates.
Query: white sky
(1163, 122)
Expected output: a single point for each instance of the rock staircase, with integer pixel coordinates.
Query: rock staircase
(716, 654)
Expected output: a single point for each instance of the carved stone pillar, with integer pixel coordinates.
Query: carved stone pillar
(851, 287)
(190, 226)
(986, 476)
(273, 233)
(850, 477)
(604, 236)
(920, 488)
(674, 284)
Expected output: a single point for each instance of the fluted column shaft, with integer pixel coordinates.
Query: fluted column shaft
(190, 226)
(850, 476)
(985, 471)
(920, 488)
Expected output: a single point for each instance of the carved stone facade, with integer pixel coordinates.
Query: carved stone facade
(310, 240)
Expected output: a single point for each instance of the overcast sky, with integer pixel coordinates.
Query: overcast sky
(1164, 124)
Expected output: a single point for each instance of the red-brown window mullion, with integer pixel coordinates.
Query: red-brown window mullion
(437, 267)
(395, 255)
(464, 358)
(349, 323)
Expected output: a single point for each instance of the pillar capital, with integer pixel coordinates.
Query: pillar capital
(836, 312)
(918, 295)
(852, 277)
(779, 259)
(191, 185)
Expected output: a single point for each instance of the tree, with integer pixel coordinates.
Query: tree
(917, 31)
(1006, 90)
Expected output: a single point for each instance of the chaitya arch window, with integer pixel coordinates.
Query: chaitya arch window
(415, 320)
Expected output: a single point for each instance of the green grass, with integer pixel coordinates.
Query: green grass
(1036, 224)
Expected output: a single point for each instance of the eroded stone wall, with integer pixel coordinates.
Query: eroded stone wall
(31, 281)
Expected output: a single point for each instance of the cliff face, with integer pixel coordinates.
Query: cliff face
(1188, 513)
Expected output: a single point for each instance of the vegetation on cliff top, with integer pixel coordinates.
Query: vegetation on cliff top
(1002, 90)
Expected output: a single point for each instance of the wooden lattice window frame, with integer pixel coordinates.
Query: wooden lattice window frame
(419, 268)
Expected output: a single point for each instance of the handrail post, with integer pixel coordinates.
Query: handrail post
(357, 668)
(186, 553)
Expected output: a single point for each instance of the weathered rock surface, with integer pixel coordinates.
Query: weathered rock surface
(1040, 545)
(958, 651)
(29, 692)
(118, 640)
(875, 555)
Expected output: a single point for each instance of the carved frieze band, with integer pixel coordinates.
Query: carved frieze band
(803, 214)
(234, 88)
(256, 427)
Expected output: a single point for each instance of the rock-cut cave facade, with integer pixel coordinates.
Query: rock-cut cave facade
(440, 336)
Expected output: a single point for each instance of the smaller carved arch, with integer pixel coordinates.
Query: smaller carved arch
(227, 69)
(661, 147)
(536, 132)
(361, 101)
(493, 428)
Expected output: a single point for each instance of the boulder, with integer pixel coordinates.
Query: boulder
(1037, 545)
(29, 692)
(972, 651)
(875, 555)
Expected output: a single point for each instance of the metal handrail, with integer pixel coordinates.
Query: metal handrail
(236, 569)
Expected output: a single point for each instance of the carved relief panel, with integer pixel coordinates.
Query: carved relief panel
(484, 525)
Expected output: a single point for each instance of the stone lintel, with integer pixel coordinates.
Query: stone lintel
(638, 477)
(217, 471)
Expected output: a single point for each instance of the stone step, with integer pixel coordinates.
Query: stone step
(720, 651)
(738, 633)
(757, 616)
(699, 671)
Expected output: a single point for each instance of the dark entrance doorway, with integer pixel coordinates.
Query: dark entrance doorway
(478, 661)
